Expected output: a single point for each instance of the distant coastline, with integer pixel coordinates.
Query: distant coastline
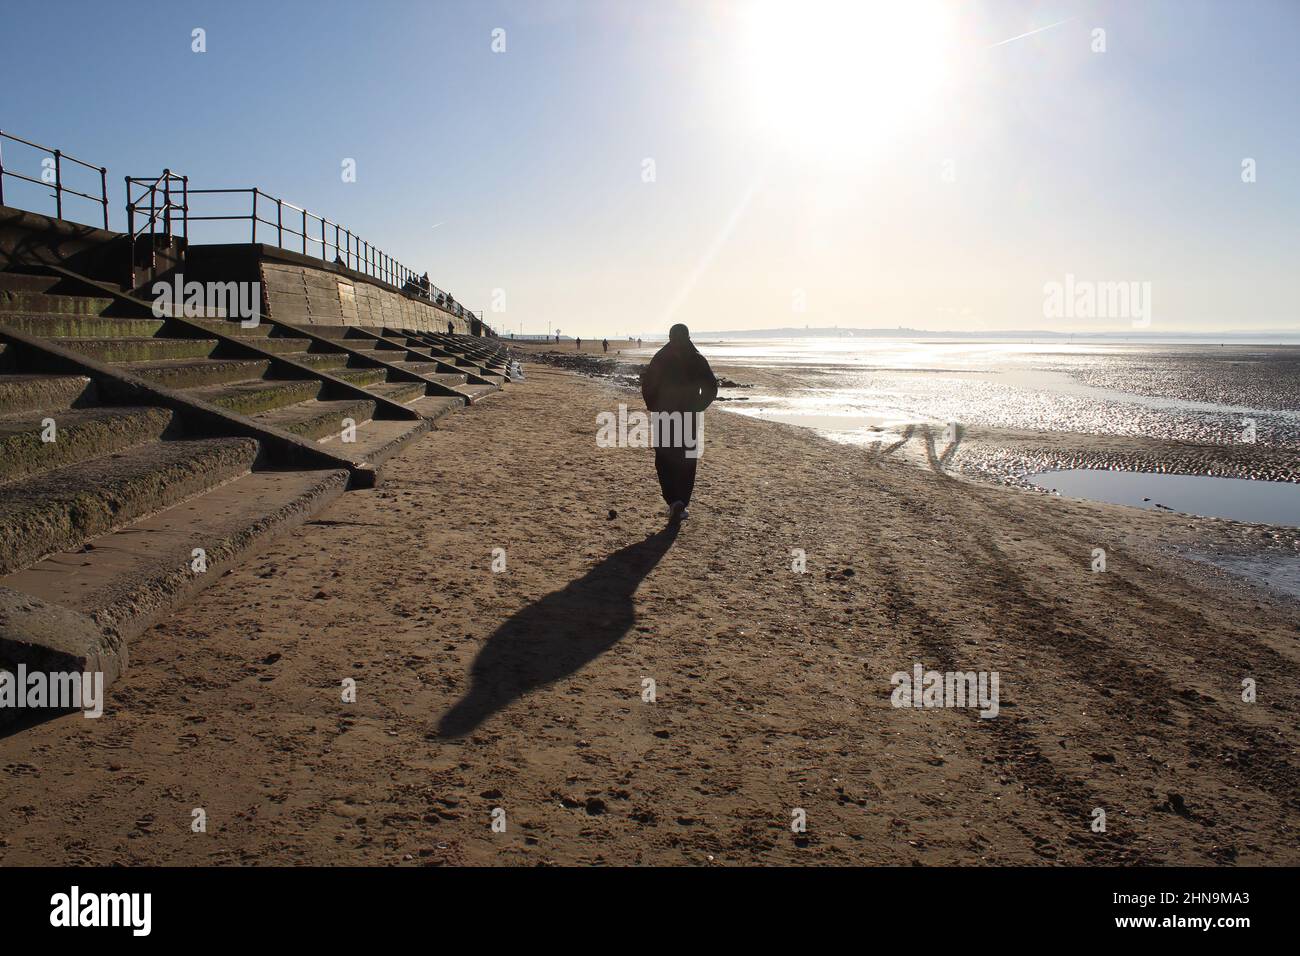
(1265, 337)
(1280, 336)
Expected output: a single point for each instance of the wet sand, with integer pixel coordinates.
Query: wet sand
(523, 690)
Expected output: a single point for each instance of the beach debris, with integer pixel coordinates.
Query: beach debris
(1175, 803)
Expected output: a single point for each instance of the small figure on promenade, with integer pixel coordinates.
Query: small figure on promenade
(679, 385)
(605, 344)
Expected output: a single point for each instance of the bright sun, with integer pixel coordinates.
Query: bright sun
(844, 74)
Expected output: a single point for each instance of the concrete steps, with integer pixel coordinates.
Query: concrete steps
(335, 333)
(325, 361)
(316, 419)
(470, 347)
(78, 434)
(257, 395)
(281, 345)
(375, 348)
(49, 303)
(433, 407)
(29, 392)
(365, 378)
(67, 506)
(193, 372)
(429, 371)
(449, 363)
(379, 439)
(20, 282)
(104, 520)
(137, 348)
(236, 329)
(132, 577)
(401, 392)
(447, 360)
(47, 326)
(475, 392)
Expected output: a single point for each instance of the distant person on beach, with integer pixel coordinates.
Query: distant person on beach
(678, 380)
(605, 344)
(579, 341)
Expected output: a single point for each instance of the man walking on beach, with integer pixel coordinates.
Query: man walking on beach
(679, 385)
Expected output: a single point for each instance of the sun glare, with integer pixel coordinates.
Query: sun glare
(844, 74)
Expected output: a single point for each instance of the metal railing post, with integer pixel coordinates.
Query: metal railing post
(58, 183)
(304, 232)
(253, 218)
(167, 204)
(103, 189)
(185, 206)
(279, 223)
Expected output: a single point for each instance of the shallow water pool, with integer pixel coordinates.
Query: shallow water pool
(1259, 502)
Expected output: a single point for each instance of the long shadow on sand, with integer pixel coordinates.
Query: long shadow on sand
(556, 635)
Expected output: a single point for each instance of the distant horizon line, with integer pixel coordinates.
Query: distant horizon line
(883, 331)
(907, 332)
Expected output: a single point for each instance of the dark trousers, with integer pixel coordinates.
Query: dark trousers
(676, 474)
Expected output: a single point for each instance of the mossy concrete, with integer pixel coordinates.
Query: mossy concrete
(71, 505)
(43, 302)
(138, 349)
(249, 398)
(48, 326)
(186, 374)
(78, 434)
(316, 419)
(22, 393)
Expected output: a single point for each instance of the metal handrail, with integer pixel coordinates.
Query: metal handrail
(317, 234)
(349, 249)
(59, 188)
(157, 210)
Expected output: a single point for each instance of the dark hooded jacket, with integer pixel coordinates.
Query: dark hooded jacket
(678, 379)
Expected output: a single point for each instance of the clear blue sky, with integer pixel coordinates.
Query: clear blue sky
(799, 153)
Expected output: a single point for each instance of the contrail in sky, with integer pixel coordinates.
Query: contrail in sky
(1030, 33)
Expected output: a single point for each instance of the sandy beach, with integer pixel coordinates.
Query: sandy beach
(525, 689)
